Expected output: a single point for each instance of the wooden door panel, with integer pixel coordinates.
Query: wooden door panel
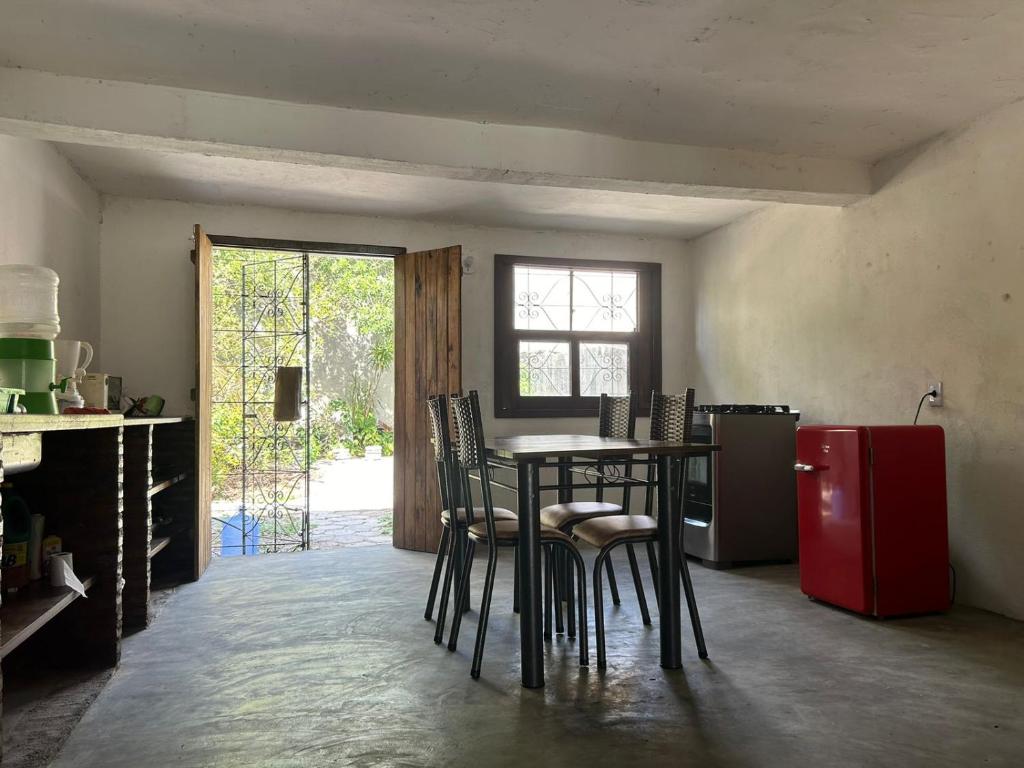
(203, 257)
(428, 360)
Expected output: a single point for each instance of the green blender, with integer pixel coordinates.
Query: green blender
(28, 364)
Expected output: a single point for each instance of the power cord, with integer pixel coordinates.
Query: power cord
(929, 393)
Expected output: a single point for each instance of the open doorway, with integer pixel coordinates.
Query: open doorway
(324, 480)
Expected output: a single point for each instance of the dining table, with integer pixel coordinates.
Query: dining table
(527, 455)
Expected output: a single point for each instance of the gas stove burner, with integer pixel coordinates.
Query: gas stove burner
(747, 410)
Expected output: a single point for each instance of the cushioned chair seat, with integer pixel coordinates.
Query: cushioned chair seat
(602, 531)
(508, 530)
(500, 513)
(562, 515)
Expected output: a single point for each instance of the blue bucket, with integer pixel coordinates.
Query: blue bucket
(231, 536)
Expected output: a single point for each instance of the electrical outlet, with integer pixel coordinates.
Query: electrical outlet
(935, 401)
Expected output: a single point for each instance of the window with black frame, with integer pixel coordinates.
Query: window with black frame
(568, 330)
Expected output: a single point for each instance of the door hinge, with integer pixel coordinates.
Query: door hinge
(192, 394)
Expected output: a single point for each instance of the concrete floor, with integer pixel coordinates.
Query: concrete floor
(324, 659)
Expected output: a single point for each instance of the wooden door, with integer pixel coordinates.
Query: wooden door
(202, 256)
(428, 361)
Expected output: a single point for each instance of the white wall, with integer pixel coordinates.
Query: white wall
(147, 320)
(850, 313)
(50, 217)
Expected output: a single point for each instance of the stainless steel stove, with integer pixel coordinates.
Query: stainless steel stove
(745, 410)
(741, 502)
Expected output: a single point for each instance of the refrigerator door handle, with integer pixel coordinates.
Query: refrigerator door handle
(806, 467)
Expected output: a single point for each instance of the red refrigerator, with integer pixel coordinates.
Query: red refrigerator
(872, 518)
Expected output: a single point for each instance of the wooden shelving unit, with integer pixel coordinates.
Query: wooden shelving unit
(77, 487)
(94, 484)
(158, 544)
(163, 485)
(30, 609)
(159, 507)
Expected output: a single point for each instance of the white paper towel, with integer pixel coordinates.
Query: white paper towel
(62, 572)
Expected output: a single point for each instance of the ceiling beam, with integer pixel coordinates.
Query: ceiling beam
(154, 117)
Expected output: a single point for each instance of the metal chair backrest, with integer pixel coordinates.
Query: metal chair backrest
(471, 453)
(672, 416)
(447, 475)
(616, 416)
(671, 419)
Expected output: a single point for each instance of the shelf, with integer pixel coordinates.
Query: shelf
(35, 422)
(158, 543)
(26, 612)
(156, 421)
(163, 485)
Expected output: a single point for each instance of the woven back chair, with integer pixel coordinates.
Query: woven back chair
(469, 446)
(471, 453)
(457, 512)
(447, 477)
(672, 416)
(671, 420)
(616, 417)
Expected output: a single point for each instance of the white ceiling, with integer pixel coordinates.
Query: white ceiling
(199, 178)
(857, 78)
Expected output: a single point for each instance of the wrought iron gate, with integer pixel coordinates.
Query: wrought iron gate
(263, 300)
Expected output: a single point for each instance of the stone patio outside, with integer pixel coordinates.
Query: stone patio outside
(350, 504)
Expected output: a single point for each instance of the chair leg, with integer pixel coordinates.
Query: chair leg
(428, 614)
(638, 585)
(549, 583)
(558, 579)
(611, 582)
(515, 580)
(485, 611)
(460, 549)
(570, 599)
(652, 560)
(460, 598)
(691, 605)
(581, 582)
(599, 609)
(446, 586)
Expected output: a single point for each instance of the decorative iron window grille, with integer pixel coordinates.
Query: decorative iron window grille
(568, 330)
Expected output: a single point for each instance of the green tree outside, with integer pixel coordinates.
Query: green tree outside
(351, 337)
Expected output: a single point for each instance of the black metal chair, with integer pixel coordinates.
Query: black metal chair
(671, 419)
(497, 533)
(453, 537)
(616, 418)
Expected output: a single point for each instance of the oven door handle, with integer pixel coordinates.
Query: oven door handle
(806, 467)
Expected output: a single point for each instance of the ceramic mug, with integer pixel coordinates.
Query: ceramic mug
(68, 354)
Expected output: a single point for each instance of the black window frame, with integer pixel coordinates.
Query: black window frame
(644, 343)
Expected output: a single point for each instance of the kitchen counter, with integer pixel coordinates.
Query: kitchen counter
(34, 422)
